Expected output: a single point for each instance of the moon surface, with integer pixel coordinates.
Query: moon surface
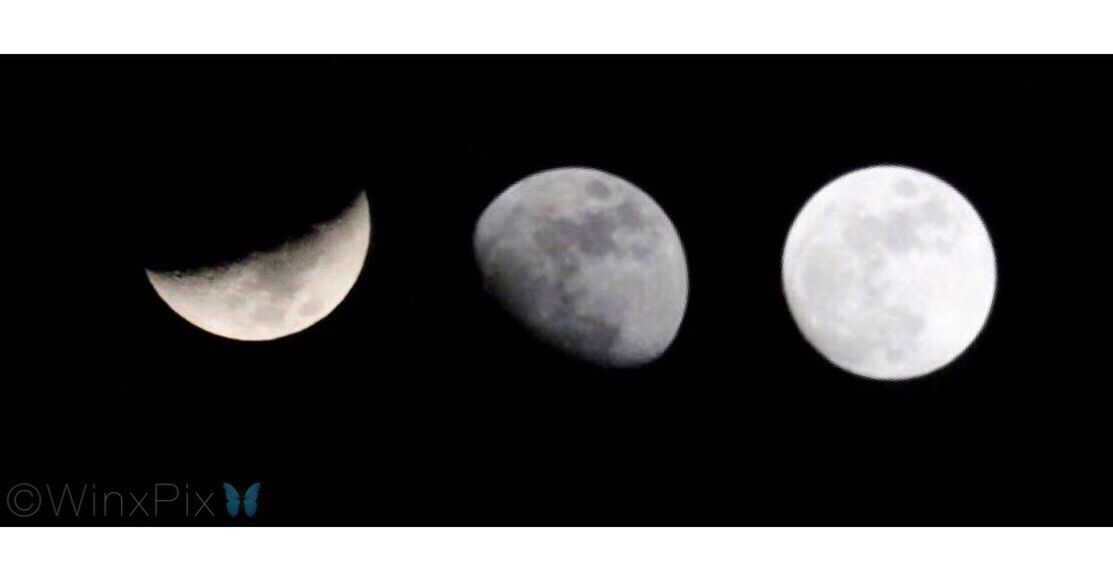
(889, 272)
(275, 292)
(588, 262)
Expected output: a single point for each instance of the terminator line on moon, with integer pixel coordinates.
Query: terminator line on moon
(275, 292)
(588, 262)
(889, 272)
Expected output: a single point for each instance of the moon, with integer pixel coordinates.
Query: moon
(588, 262)
(889, 272)
(274, 292)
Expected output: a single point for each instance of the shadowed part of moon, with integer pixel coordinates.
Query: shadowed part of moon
(588, 262)
(889, 272)
(273, 293)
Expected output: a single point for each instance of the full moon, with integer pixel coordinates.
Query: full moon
(274, 292)
(889, 272)
(588, 262)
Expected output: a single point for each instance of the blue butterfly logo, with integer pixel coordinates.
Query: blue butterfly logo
(249, 500)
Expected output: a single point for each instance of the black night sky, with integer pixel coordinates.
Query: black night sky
(419, 402)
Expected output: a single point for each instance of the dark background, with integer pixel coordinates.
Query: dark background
(418, 402)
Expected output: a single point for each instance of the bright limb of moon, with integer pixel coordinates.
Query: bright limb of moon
(276, 292)
(889, 272)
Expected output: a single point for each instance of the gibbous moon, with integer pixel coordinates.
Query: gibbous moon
(588, 262)
(889, 272)
(275, 292)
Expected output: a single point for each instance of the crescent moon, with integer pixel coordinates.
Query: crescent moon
(274, 292)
